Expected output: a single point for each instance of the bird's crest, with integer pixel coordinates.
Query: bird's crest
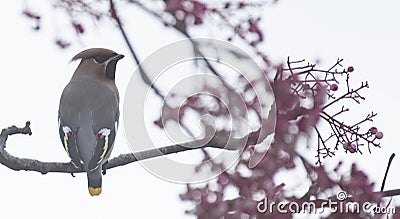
(90, 53)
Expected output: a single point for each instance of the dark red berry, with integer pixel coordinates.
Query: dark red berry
(373, 130)
(350, 69)
(334, 87)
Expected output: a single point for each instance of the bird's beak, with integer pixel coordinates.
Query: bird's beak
(118, 57)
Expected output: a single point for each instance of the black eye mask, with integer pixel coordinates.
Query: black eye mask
(102, 58)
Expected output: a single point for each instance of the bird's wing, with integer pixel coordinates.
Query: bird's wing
(68, 139)
(104, 143)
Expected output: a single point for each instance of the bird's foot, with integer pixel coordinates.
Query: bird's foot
(104, 169)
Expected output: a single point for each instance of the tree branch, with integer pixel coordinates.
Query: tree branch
(16, 163)
(143, 74)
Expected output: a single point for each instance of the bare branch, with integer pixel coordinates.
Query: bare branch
(145, 77)
(16, 163)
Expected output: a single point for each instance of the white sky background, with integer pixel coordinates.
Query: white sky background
(34, 72)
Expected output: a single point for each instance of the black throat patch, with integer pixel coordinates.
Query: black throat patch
(110, 69)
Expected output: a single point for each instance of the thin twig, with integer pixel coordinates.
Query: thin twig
(145, 77)
(363, 85)
(387, 171)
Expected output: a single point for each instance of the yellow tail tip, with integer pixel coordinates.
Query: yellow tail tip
(94, 191)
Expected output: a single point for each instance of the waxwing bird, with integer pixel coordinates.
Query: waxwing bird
(89, 111)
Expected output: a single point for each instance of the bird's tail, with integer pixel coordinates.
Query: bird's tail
(94, 181)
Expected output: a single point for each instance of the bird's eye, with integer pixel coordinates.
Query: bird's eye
(100, 59)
